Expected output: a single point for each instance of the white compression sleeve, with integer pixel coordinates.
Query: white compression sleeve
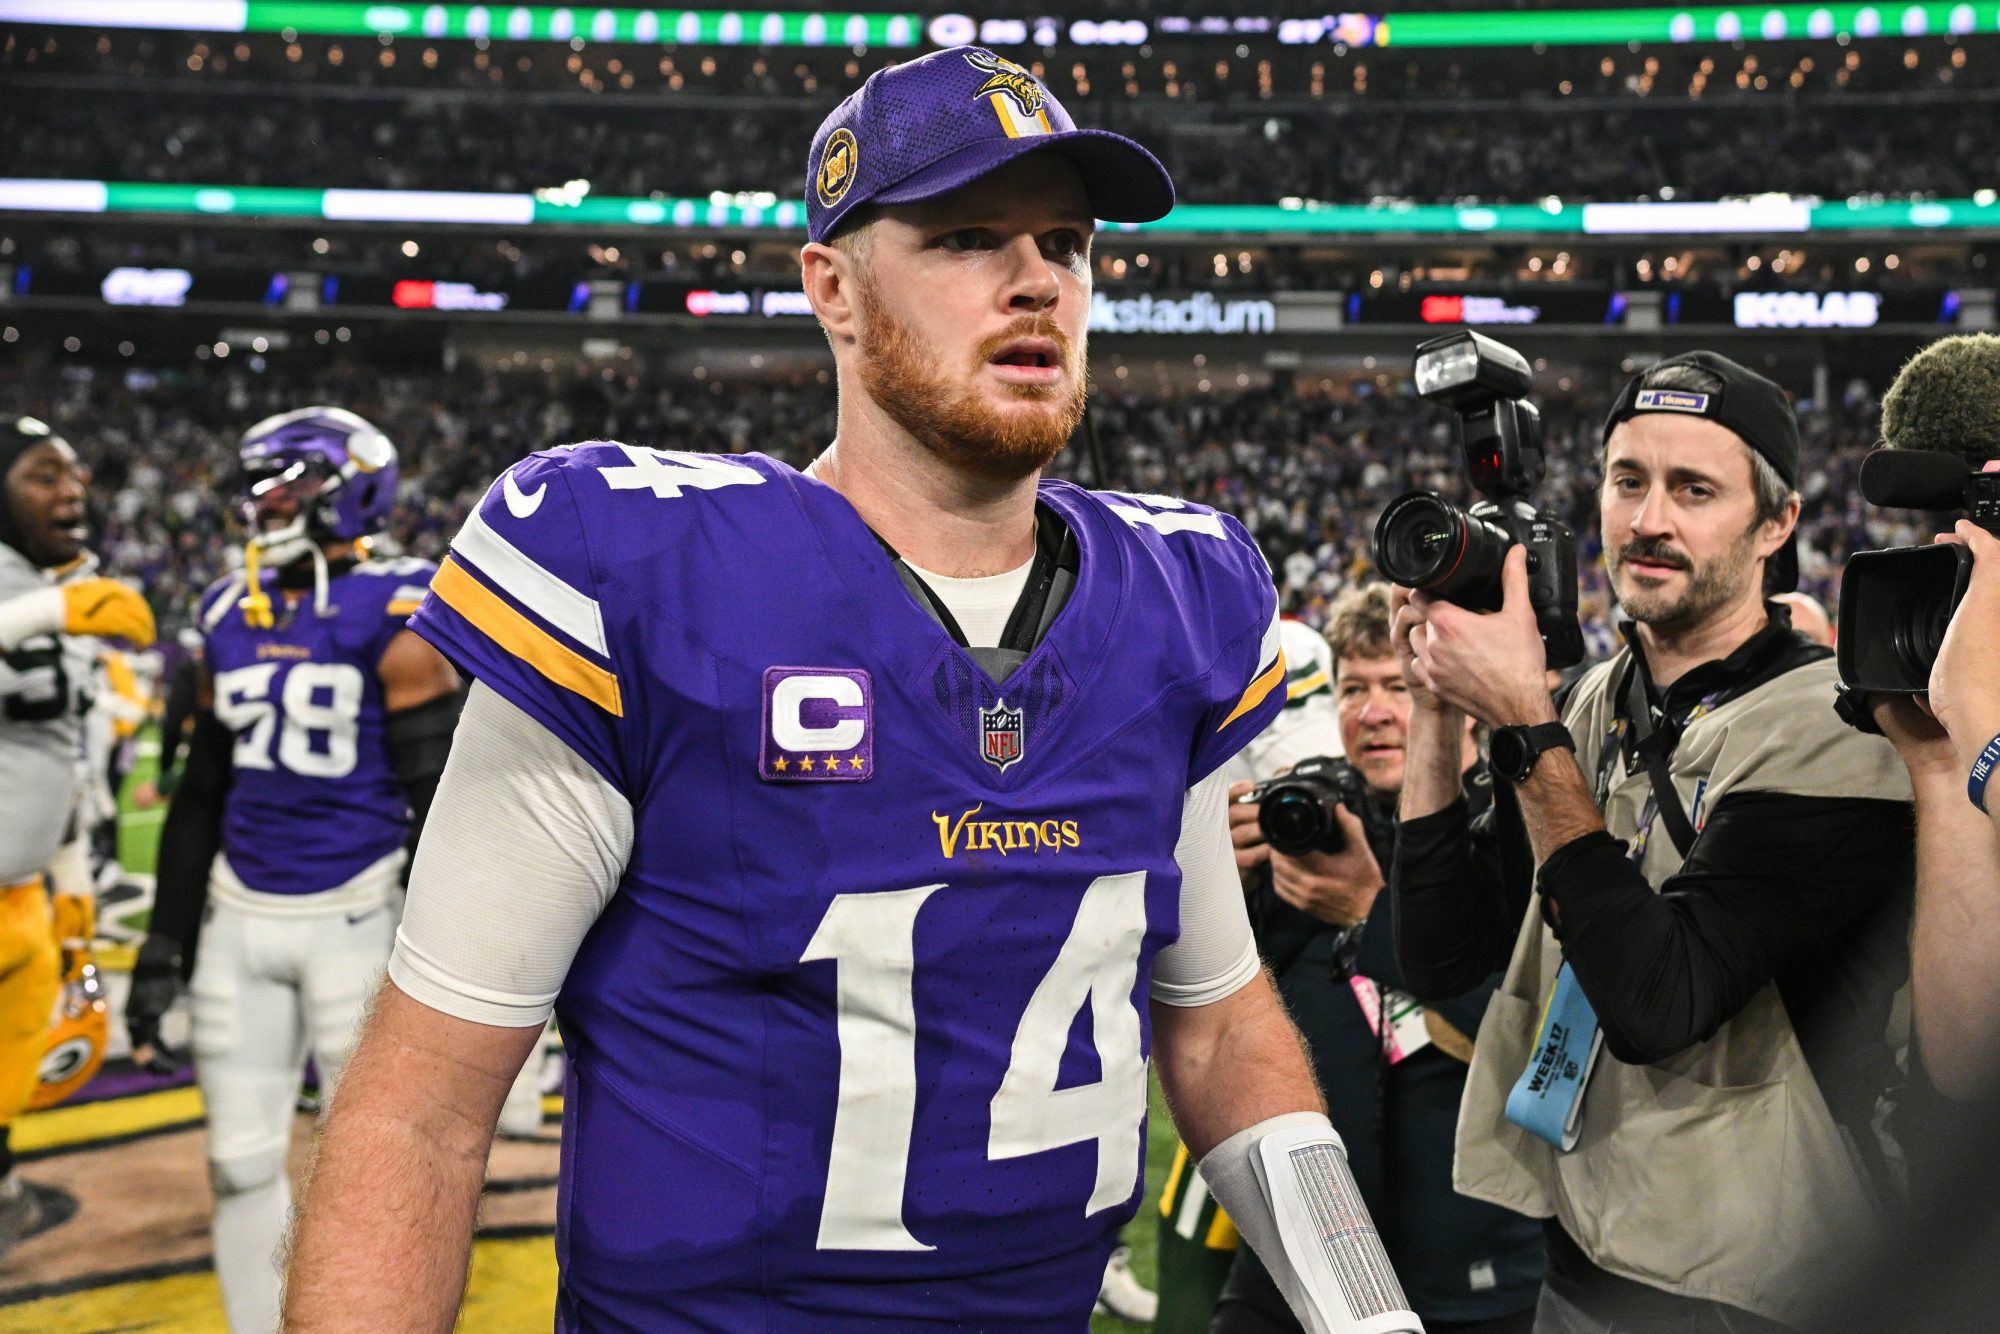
(497, 910)
(1216, 954)
(37, 613)
(1285, 1184)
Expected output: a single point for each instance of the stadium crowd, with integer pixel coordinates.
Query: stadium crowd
(1306, 469)
(1187, 69)
(1699, 150)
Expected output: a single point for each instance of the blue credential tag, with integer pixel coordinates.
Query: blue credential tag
(1547, 1100)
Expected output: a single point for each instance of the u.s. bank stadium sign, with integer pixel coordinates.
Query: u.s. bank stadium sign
(1201, 313)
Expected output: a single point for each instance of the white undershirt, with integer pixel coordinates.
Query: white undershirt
(982, 606)
(492, 925)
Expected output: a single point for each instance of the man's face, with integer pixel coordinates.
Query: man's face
(45, 490)
(1374, 707)
(1679, 513)
(972, 313)
(276, 500)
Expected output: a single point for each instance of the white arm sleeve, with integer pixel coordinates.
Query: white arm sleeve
(524, 847)
(1216, 954)
(37, 613)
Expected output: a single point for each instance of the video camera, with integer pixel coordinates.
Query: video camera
(1425, 542)
(1295, 810)
(1896, 604)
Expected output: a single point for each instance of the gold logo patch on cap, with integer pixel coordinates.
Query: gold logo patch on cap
(837, 166)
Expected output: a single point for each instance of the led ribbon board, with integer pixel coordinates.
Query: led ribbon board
(514, 23)
(1764, 216)
(729, 27)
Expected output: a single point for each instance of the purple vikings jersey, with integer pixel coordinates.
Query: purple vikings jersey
(314, 798)
(860, 1041)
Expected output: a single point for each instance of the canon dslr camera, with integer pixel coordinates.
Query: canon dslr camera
(1423, 541)
(1896, 604)
(1296, 809)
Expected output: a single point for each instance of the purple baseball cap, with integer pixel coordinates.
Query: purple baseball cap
(926, 127)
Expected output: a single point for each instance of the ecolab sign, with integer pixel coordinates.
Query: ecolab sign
(1475, 310)
(1198, 314)
(1808, 310)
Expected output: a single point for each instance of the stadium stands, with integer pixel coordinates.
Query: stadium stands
(1306, 468)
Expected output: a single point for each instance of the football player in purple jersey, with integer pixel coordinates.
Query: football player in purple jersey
(318, 745)
(865, 827)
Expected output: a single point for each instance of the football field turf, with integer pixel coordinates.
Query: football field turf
(513, 1272)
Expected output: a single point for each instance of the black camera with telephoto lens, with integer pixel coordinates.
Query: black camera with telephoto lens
(1295, 810)
(1425, 542)
(1896, 604)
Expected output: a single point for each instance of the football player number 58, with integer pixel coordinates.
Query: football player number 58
(871, 937)
(318, 700)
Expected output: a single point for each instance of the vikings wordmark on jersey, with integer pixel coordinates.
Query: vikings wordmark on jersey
(854, 1045)
(304, 699)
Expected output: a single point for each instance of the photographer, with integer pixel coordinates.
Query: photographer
(1947, 399)
(1326, 929)
(1942, 737)
(1682, 1068)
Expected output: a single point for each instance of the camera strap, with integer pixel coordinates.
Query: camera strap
(1655, 749)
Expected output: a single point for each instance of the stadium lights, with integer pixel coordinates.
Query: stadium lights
(1532, 27)
(1762, 215)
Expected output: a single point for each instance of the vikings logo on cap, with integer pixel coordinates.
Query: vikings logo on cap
(837, 166)
(1670, 400)
(1009, 83)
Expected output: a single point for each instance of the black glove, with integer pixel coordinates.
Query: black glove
(156, 981)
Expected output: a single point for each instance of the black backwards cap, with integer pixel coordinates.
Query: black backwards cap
(1748, 404)
(1754, 407)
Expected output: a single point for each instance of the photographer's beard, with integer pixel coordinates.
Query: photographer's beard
(948, 413)
(1675, 604)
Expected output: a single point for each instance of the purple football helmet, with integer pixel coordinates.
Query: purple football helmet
(334, 471)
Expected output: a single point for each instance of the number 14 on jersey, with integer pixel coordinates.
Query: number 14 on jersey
(871, 938)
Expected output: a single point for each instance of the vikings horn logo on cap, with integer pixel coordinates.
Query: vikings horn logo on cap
(1007, 77)
(837, 166)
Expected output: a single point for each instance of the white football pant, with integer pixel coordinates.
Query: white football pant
(277, 976)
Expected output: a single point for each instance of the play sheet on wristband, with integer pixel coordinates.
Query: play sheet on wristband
(1331, 1240)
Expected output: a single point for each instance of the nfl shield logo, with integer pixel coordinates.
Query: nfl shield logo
(1000, 735)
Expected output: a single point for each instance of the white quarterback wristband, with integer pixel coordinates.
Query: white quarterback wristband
(1286, 1185)
(31, 614)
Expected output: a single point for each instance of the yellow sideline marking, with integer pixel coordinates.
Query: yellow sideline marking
(184, 1303)
(84, 1123)
(1259, 688)
(512, 1288)
(524, 639)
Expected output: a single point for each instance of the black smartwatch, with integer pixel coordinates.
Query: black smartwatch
(1515, 749)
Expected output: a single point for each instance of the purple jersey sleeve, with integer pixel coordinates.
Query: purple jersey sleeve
(515, 604)
(1246, 685)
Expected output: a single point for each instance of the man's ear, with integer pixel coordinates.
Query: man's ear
(831, 284)
(1777, 531)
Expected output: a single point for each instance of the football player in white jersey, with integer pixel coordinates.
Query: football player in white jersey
(45, 671)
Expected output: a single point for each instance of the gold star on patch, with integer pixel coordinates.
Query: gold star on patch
(854, 761)
(806, 764)
(781, 764)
